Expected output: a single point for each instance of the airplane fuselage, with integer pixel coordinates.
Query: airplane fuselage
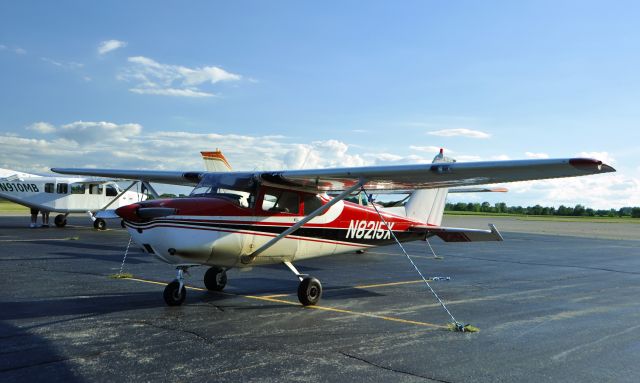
(63, 194)
(218, 232)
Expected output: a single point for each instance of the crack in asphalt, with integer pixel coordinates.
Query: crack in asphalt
(167, 328)
(393, 369)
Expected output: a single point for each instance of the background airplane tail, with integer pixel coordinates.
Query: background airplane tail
(427, 205)
(215, 161)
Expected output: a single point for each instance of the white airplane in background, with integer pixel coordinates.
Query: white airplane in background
(244, 219)
(67, 195)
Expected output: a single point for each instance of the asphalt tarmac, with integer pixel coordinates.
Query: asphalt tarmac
(549, 308)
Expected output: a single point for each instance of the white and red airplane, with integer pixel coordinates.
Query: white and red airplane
(243, 219)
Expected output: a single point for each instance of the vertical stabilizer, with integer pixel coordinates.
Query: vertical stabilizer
(428, 205)
(215, 161)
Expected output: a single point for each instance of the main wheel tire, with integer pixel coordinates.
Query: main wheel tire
(173, 295)
(99, 224)
(122, 224)
(215, 279)
(309, 291)
(60, 220)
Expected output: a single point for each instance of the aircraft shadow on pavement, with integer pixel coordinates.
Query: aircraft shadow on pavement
(90, 246)
(95, 304)
(132, 259)
(28, 357)
(276, 286)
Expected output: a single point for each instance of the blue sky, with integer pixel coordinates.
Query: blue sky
(291, 84)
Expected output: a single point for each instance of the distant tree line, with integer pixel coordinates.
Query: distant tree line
(575, 211)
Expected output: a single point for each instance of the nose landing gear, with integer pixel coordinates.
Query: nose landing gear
(175, 293)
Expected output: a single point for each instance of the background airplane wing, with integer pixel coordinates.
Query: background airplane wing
(159, 176)
(429, 176)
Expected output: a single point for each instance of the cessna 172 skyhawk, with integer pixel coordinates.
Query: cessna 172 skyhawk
(243, 219)
(65, 195)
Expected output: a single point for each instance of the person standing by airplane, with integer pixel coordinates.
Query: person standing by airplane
(45, 219)
(34, 218)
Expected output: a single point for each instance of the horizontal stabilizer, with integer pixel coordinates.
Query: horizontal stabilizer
(453, 234)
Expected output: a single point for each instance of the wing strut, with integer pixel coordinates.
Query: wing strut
(250, 257)
(119, 195)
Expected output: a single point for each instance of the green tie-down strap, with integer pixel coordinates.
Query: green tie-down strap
(459, 327)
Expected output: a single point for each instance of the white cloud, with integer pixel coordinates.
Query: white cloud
(63, 64)
(536, 155)
(500, 157)
(2, 47)
(87, 132)
(110, 45)
(431, 149)
(127, 145)
(463, 132)
(152, 77)
(42, 127)
(171, 92)
(20, 51)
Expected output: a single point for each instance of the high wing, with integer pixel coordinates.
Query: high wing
(428, 176)
(159, 176)
(421, 176)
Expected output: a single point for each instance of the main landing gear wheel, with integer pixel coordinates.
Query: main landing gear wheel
(60, 220)
(122, 224)
(99, 224)
(215, 279)
(175, 293)
(309, 291)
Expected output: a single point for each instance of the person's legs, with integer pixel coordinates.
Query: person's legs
(34, 218)
(45, 219)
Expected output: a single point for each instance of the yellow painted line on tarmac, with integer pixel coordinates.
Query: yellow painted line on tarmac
(322, 308)
(40, 239)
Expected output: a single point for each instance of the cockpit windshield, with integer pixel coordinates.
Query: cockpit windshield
(240, 189)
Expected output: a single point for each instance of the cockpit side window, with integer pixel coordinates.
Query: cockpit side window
(111, 191)
(240, 190)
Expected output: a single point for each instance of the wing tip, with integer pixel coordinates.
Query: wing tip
(591, 164)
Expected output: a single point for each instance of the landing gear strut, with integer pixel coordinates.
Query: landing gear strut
(60, 220)
(309, 290)
(215, 279)
(175, 293)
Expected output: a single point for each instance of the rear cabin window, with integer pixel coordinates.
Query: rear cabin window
(48, 188)
(95, 189)
(77, 188)
(111, 191)
(62, 188)
(311, 203)
(281, 201)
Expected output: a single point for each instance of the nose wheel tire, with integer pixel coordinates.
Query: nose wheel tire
(99, 224)
(174, 295)
(309, 291)
(60, 220)
(215, 279)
